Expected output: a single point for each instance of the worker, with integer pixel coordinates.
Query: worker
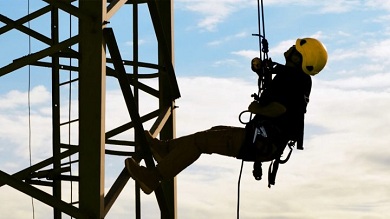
(279, 118)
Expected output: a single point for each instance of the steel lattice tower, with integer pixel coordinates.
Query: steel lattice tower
(96, 56)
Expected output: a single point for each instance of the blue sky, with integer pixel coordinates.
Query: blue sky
(343, 171)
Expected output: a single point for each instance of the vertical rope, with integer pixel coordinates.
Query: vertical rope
(70, 110)
(238, 190)
(29, 105)
(259, 28)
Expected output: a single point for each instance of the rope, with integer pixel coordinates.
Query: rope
(263, 48)
(238, 190)
(29, 105)
(263, 23)
(70, 111)
(259, 27)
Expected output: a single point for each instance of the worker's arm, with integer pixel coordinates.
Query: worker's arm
(273, 109)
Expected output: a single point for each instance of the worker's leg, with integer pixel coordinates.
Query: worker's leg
(185, 150)
(221, 134)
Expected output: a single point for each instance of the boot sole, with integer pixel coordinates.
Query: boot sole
(143, 186)
(156, 156)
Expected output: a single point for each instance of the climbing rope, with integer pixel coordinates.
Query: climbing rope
(238, 190)
(263, 79)
(70, 111)
(29, 105)
(263, 55)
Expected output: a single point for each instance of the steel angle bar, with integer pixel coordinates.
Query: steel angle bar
(130, 125)
(41, 196)
(19, 26)
(10, 24)
(161, 120)
(120, 142)
(162, 41)
(139, 64)
(34, 57)
(115, 190)
(113, 7)
(23, 174)
(69, 8)
(132, 108)
(140, 85)
(144, 87)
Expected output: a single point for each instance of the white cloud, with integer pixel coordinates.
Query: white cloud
(226, 62)
(342, 173)
(374, 82)
(378, 4)
(228, 39)
(250, 54)
(213, 12)
(131, 43)
(16, 98)
(347, 155)
(345, 139)
(379, 50)
(14, 115)
(339, 6)
(332, 6)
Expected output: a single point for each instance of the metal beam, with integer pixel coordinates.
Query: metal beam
(164, 46)
(161, 121)
(115, 190)
(56, 130)
(19, 26)
(132, 108)
(113, 7)
(41, 196)
(93, 15)
(31, 59)
(26, 173)
(18, 23)
(131, 124)
(163, 23)
(68, 7)
(92, 88)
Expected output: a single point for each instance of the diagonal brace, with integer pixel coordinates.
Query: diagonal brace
(18, 24)
(23, 174)
(132, 108)
(162, 41)
(32, 58)
(41, 196)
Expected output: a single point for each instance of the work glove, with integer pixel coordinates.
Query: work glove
(256, 64)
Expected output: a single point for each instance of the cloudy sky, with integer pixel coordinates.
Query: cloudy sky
(343, 171)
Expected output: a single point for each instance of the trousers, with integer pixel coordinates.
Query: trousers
(183, 151)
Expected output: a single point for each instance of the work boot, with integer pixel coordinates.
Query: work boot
(146, 178)
(159, 149)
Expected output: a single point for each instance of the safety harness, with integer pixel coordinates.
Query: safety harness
(263, 143)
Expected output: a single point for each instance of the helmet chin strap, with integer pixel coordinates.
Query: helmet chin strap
(294, 59)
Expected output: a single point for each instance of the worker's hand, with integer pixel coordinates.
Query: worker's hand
(254, 107)
(256, 64)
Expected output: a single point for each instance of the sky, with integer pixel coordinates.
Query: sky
(343, 171)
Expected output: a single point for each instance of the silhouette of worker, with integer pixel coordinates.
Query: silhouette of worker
(279, 118)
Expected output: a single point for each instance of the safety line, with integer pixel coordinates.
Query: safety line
(238, 190)
(29, 105)
(70, 111)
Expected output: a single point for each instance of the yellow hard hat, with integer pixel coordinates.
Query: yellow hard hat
(314, 55)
